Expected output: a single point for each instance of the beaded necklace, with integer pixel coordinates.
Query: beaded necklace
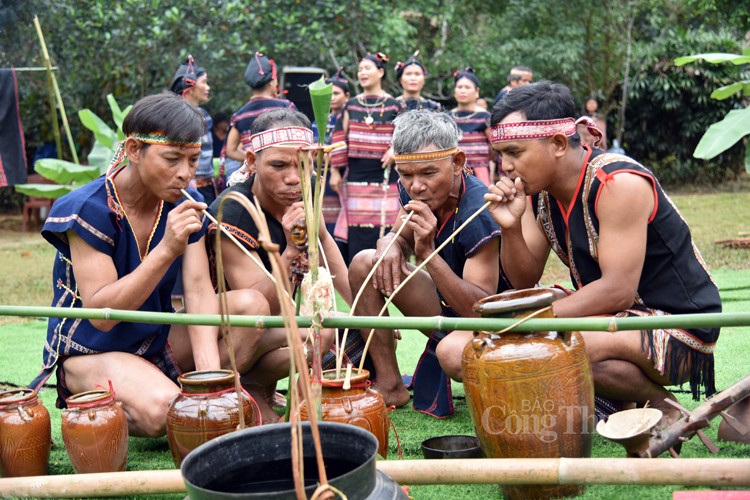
(468, 117)
(379, 102)
(120, 210)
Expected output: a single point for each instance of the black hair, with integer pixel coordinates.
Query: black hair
(221, 116)
(165, 113)
(515, 71)
(379, 59)
(469, 73)
(543, 100)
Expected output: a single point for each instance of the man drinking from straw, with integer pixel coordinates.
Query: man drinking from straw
(435, 186)
(277, 135)
(120, 241)
(629, 251)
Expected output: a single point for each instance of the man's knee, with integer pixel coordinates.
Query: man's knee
(449, 353)
(361, 265)
(149, 418)
(249, 303)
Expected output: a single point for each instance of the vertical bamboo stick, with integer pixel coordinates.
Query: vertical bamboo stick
(56, 89)
(52, 104)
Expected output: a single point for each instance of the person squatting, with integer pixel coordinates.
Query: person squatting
(404, 187)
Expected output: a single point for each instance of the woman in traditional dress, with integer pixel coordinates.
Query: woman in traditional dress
(411, 75)
(474, 124)
(331, 198)
(364, 167)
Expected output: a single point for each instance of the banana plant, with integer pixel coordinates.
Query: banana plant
(724, 134)
(68, 176)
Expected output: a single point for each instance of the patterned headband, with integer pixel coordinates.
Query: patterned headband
(425, 157)
(533, 129)
(282, 136)
(161, 139)
(592, 128)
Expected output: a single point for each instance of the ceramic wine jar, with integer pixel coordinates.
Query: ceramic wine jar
(359, 405)
(205, 408)
(530, 394)
(95, 432)
(25, 434)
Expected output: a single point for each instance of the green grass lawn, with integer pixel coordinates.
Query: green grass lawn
(26, 261)
(21, 354)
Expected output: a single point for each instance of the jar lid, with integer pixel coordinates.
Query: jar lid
(513, 301)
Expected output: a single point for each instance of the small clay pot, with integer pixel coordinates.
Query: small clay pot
(25, 434)
(95, 432)
(452, 447)
(359, 405)
(206, 408)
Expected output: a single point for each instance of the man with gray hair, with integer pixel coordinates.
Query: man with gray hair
(435, 186)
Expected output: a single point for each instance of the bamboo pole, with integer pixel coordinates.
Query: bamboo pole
(413, 323)
(35, 68)
(733, 472)
(53, 78)
(52, 104)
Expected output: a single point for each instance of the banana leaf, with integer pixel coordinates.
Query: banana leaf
(724, 134)
(729, 90)
(118, 115)
(53, 191)
(65, 172)
(100, 156)
(103, 133)
(714, 58)
(320, 95)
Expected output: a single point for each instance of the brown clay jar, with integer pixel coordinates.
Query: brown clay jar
(359, 405)
(25, 434)
(205, 408)
(95, 432)
(530, 394)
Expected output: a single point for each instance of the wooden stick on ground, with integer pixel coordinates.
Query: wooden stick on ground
(688, 426)
(687, 471)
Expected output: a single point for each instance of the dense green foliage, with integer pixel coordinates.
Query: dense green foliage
(131, 48)
(671, 108)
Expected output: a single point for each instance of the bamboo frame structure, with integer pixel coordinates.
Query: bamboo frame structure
(611, 324)
(733, 472)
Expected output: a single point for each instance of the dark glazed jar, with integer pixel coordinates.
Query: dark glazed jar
(359, 405)
(25, 434)
(255, 464)
(530, 394)
(95, 432)
(205, 408)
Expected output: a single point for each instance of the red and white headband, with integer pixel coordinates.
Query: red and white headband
(282, 136)
(532, 129)
(592, 128)
(539, 129)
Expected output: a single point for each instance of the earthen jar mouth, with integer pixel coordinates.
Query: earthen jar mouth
(200, 378)
(16, 397)
(358, 378)
(90, 399)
